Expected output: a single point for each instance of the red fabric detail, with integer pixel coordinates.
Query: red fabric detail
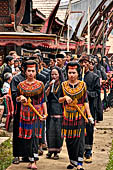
(33, 65)
(10, 108)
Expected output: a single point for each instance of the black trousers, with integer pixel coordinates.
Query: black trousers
(75, 148)
(89, 136)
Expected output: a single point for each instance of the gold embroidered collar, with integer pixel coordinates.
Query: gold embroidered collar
(73, 91)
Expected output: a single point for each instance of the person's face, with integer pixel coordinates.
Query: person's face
(17, 70)
(19, 62)
(12, 62)
(104, 60)
(55, 75)
(44, 64)
(96, 63)
(99, 56)
(64, 60)
(111, 63)
(30, 72)
(14, 56)
(68, 58)
(52, 63)
(16, 64)
(37, 58)
(72, 74)
(59, 61)
(35, 55)
(85, 64)
(91, 66)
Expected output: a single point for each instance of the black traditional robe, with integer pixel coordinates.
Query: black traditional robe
(93, 88)
(18, 144)
(54, 120)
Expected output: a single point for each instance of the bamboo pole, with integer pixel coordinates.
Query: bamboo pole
(68, 25)
(88, 49)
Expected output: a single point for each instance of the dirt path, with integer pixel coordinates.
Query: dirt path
(102, 145)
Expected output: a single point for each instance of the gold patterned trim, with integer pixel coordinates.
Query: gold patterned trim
(73, 91)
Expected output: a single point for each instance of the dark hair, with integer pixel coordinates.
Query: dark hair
(98, 66)
(30, 62)
(72, 63)
(16, 60)
(107, 61)
(8, 58)
(60, 73)
(92, 61)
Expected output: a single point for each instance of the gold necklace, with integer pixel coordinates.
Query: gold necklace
(55, 91)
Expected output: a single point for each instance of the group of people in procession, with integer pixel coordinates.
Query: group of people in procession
(51, 99)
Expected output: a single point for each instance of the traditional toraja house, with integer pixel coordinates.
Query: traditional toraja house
(101, 22)
(20, 28)
(43, 24)
(100, 16)
(14, 15)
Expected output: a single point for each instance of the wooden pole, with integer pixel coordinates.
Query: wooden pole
(88, 49)
(103, 48)
(68, 25)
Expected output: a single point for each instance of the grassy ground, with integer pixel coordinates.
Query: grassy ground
(5, 154)
(110, 164)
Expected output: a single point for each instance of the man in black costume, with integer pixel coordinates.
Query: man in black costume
(93, 88)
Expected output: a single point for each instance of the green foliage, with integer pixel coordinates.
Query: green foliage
(110, 164)
(5, 154)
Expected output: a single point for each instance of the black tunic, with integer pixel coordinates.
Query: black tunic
(18, 143)
(54, 123)
(7, 69)
(53, 105)
(93, 88)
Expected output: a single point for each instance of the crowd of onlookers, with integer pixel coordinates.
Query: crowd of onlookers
(12, 66)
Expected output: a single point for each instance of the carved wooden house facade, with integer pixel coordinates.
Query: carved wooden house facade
(23, 23)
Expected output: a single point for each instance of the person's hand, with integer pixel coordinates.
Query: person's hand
(68, 99)
(22, 99)
(44, 117)
(52, 82)
(91, 120)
